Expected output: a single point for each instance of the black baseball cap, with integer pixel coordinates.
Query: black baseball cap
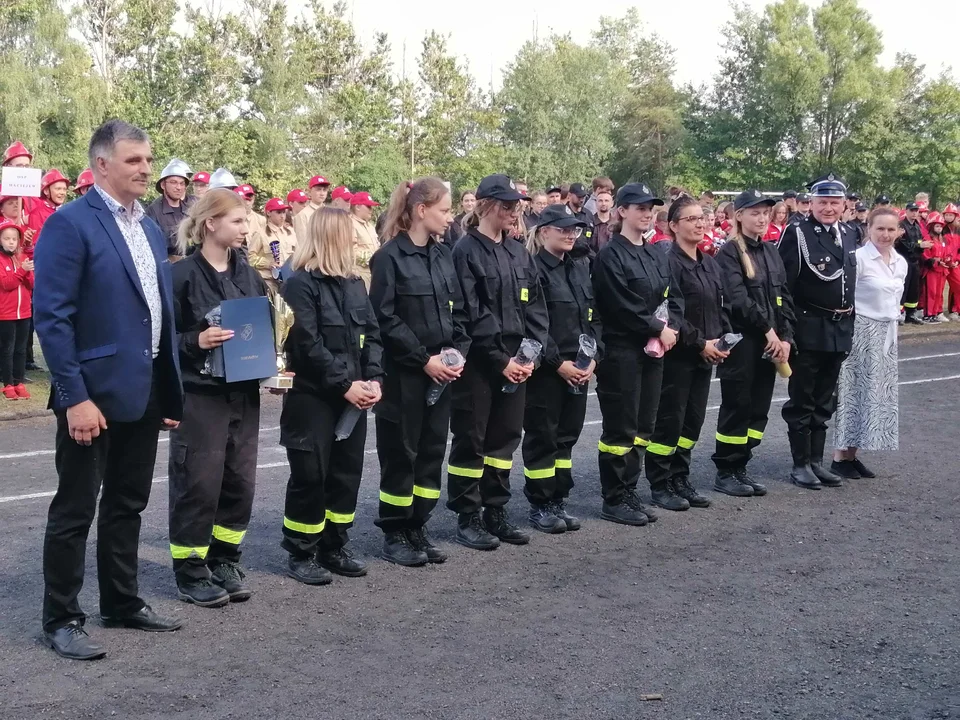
(853, 196)
(911, 206)
(803, 197)
(555, 189)
(559, 216)
(752, 198)
(579, 190)
(499, 187)
(788, 194)
(861, 208)
(636, 194)
(882, 200)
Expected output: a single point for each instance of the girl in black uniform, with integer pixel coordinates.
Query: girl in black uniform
(762, 310)
(419, 306)
(687, 369)
(631, 279)
(554, 416)
(213, 453)
(334, 350)
(504, 305)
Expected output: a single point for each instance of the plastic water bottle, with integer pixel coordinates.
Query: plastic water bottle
(527, 355)
(452, 358)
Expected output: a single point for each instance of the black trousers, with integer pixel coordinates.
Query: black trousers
(552, 422)
(213, 474)
(13, 350)
(30, 358)
(746, 389)
(411, 443)
(321, 501)
(683, 407)
(812, 390)
(486, 424)
(911, 286)
(628, 388)
(121, 462)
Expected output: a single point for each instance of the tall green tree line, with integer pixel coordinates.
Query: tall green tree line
(278, 95)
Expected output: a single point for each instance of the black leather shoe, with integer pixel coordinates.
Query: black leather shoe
(664, 496)
(728, 483)
(497, 522)
(627, 512)
(230, 576)
(802, 476)
(202, 593)
(864, 471)
(743, 475)
(398, 549)
(845, 469)
(685, 490)
(144, 619)
(308, 571)
(72, 642)
(543, 519)
(420, 539)
(342, 562)
(472, 534)
(560, 510)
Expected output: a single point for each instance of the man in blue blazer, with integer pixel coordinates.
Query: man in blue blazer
(103, 310)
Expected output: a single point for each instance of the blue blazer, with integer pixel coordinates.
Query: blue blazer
(92, 317)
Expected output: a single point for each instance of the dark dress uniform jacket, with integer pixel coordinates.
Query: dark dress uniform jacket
(502, 295)
(419, 305)
(570, 305)
(335, 339)
(630, 282)
(822, 277)
(701, 281)
(760, 303)
(197, 289)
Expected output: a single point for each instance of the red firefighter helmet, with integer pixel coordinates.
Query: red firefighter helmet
(16, 149)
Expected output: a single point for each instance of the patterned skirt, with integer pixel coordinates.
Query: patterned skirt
(868, 407)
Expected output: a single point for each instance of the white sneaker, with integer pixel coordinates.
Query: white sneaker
(941, 318)
(954, 316)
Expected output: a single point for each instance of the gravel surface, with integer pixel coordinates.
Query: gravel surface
(835, 604)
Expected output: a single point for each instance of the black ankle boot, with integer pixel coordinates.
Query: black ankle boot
(728, 483)
(398, 549)
(663, 495)
(689, 493)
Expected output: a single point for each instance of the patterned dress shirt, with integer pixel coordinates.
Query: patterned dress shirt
(143, 258)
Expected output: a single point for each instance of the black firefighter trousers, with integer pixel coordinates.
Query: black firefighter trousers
(683, 407)
(411, 443)
(486, 424)
(552, 423)
(213, 475)
(321, 501)
(628, 388)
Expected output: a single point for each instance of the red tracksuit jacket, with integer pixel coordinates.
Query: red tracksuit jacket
(16, 286)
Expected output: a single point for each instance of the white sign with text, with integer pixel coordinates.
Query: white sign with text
(20, 181)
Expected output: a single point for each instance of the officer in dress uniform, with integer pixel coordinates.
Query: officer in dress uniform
(819, 256)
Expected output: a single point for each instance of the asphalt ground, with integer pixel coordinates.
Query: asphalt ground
(833, 604)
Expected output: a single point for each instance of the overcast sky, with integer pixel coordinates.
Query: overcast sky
(487, 34)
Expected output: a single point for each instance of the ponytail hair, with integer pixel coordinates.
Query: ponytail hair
(534, 242)
(684, 201)
(483, 207)
(214, 204)
(404, 198)
(746, 262)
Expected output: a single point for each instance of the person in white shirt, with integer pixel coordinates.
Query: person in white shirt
(868, 408)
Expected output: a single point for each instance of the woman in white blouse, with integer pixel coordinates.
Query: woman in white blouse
(868, 408)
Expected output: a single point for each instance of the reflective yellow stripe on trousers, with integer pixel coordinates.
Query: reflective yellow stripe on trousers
(686, 443)
(755, 434)
(658, 449)
(564, 464)
(426, 493)
(540, 474)
(396, 500)
(226, 535)
(498, 463)
(465, 472)
(305, 528)
(732, 439)
(180, 552)
(612, 449)
(341, 518)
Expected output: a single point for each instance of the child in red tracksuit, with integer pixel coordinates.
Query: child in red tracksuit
(951, 219)
(16, 286)
(936, 268)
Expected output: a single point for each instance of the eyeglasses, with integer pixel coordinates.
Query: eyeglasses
(695, 219)
(573, 232)
(510, 205)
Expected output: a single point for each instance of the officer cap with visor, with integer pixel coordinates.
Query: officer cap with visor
(829, 185)
(636, 194)
(752, 198)
(499, 187)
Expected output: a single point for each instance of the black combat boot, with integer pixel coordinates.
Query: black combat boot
(308, 571)
(663, 495)
(543, 519)
(630, 511)
(421, 540)
(560, 510)
(802, 475)
(472, 534)
(689, 493)
(818, 438)
(729, 483)
(497, 522)
(230, 576)
(342, 562)
(202, 593)
(398, 549)
(743, 475)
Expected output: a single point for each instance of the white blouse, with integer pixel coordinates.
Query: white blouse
(879, 284)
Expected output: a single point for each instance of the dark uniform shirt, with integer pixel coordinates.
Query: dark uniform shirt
(169, 218)
(762, 302)
(197, 289)
(416, 295)
(629, 283)
(821, 267)
(502, 295)
(908, 244)
(598, 234)
(335, 339)
(701, 282)
(570, 306)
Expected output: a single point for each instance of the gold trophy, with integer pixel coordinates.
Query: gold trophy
(282, 322)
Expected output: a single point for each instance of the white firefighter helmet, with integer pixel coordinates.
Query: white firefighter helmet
(223, 178)
(175, 168)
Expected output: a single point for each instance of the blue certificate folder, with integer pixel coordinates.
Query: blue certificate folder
(251, 353)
